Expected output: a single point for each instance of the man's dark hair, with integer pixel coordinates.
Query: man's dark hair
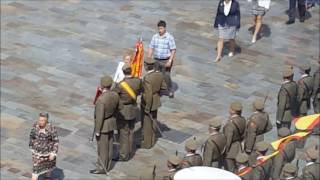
(162, 23)
(127, 71)
(44, 114)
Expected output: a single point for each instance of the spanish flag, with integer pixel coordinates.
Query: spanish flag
(278, 144)
(307, 122)
(137, 62)
(260, 162)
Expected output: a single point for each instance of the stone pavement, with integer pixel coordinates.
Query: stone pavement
(54, 52)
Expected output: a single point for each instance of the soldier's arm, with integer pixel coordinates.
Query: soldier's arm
(207, 153)
(316, 81)
(251, 136)
(301, 91)
(147, 88)
(277, 166)
(282, 97)
(32, 137)
(99, 116)
(55, 141)
(229, 135)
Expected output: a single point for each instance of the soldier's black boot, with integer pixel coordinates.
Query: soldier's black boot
(290, 21)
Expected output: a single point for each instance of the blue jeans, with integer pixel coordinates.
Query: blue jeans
(301, 8)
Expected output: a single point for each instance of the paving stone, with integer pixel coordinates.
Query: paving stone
(14, 170)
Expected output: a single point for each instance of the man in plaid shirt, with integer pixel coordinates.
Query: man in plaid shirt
(163, 49)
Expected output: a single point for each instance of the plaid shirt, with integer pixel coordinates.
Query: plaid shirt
(162, 45)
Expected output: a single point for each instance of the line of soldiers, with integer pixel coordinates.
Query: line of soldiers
(241, 144)
(116, 109)
(294, 99)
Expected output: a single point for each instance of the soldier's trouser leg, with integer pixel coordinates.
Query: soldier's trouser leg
(149, 130)
(105, 149)
(126, 139)
(229, 165)
(292, 9)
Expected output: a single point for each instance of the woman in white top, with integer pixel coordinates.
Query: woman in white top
(127, 59)
(259, 9)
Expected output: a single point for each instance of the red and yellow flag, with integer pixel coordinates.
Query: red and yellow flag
(278, 144)
(137, 62)
(307, 122)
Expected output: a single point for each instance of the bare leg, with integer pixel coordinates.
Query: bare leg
(34, 177)
(254, 23)
(219, 49)
(257, 29)
(232, 43)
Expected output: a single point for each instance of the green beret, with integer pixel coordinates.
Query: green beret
(287, 72)
(312, 153)
(126, 67)
(242, 158)
(289, 168)
(262, 146)
(191, 144)
(258, 104)
(106, 81)
(149, 61)
(284, 132)
(175, 160)
(236, 106)
(216, 124)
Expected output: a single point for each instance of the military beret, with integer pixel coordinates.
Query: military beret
(191, 144)
(126, 67)
(289, 168)
(106, 81)
(312, 153)
(262, 146)
(242, 158)
(149, 61)
(283, 132)
(258, 104)
(236, 106)
(175, 160)
(216, 123)
(287, 72)
(305, 67)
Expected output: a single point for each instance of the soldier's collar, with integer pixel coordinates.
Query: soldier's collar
(190, 154)
(214, 133)
(235, 115)
(309, 163)
(286, 81)
(288, 178)
(104, 90)
(172, 170)
(151, 71)
(241, 167)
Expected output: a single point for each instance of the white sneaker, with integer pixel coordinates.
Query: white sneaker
(253, 41)
(230, 54)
